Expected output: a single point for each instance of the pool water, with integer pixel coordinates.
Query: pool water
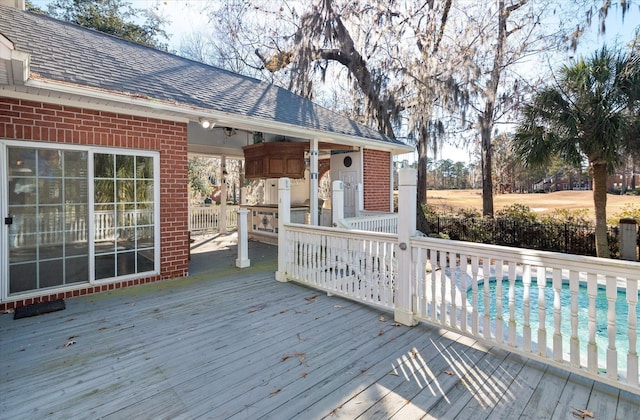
(622, 314)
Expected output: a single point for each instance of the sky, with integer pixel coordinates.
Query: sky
(185, 16)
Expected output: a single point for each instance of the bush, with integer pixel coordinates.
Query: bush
(517, 213)
(562, 231)
(578, 216)
(629, 211)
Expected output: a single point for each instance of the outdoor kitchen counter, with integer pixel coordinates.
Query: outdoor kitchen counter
(262, 220)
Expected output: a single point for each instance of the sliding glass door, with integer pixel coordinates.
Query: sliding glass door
(48, 208)
(78, 216)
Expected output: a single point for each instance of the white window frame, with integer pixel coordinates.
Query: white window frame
(91, 150)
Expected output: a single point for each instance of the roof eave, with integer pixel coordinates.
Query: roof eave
(190, 113)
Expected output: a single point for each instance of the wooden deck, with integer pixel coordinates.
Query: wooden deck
(237, 344)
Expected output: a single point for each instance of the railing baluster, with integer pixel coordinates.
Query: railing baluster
(612, 353)
(486, 273)
(574, 346)
(526, 301)
(592, 347)
(499, 317)
(512, 304)
(367, 271)
(557, 314)
(463, 287)
(541, 281)
(443, 288)
(417, 270)
(474, 294)
(452, 284)
(434, 267)
(632, 355)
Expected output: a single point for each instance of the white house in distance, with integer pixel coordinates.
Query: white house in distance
(95, 134)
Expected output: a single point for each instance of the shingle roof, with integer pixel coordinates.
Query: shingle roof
(65, 52)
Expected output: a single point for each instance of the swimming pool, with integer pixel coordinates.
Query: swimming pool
(622, 315)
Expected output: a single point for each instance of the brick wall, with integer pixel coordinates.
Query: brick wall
(377, 180)
(35, 121)
(324, 165)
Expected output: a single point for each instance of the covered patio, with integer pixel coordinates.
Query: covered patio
(235, 343)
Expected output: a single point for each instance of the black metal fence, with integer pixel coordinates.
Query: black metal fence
(569, 238)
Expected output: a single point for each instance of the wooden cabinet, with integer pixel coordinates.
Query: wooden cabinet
(274, 160)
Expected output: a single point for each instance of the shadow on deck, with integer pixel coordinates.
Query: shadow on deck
(234, 343)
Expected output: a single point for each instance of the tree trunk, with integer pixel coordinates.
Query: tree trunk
(422, 166)
(600, 205)
(421, 221)
(486, 118)
(487, 181)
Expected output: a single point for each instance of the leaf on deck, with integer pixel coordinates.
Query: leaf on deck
(277, 391)
(303, 374)
(256, 308)
(383, 319)
(69, 343)
(311, 298)
(299, 355)
(448, 372)
(581, 413)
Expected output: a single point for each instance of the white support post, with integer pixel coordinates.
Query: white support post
(407, 189)
(628, 235)
(337, 202)
(243, 240)
(391, 173)
(360, 198)
(313, 181)
(222, 216)
(284, 216)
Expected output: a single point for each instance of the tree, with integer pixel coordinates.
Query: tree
(395, 85)
(114, 17)
(199, 170)
(590, 114)
(411, 68)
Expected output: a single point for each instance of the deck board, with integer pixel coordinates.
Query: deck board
(241, 345)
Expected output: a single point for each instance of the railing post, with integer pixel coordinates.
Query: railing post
(337, 202)
(313, 181)
(222, 215)
(628, 234)
(284, 216)
(407, 190)
(243, 240)
(360, 198)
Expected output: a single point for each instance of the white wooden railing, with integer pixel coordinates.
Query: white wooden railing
(206, 218)
(343, 263)
(386, 223)
(427, 280)
(363, 266)
(542, 328)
